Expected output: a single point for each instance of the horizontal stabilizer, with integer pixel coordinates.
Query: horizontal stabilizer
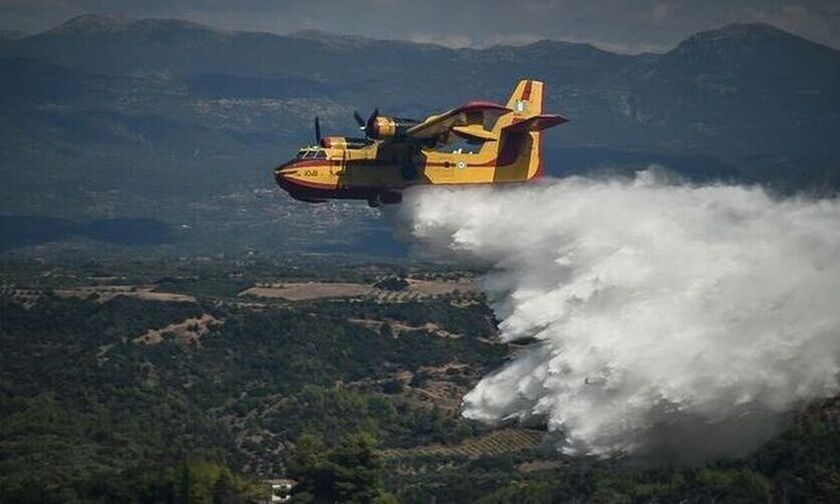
(537, 123)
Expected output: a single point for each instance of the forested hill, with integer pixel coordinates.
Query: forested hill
(105, 117)
(194, 381)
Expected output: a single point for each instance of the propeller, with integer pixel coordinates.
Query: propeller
(359, 119)
(317, 131)
(366, 126)
(371, 122)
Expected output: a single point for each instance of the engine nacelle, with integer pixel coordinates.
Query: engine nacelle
(384, 127)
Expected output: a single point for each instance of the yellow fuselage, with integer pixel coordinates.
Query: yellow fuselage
(361, 173)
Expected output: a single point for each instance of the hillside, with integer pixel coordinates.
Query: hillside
(146, 381)
(106, 117)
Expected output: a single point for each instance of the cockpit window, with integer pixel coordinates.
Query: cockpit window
(311, 153)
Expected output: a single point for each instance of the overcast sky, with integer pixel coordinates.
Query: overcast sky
(612, 24)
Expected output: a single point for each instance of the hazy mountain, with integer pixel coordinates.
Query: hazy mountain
(754, 80)
(12, 34)
(107, 116)
(745, 87)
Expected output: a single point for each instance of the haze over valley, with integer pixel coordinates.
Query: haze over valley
(111, 117)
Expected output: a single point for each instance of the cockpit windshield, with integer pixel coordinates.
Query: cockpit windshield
(312, 153)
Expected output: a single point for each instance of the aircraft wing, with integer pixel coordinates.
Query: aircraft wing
(465, 120)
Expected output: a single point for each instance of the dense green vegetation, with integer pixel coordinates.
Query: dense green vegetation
(91, 413)
(469, 319)
(350, 472)
(87, 407)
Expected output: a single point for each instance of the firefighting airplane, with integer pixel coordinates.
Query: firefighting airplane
(397, 153)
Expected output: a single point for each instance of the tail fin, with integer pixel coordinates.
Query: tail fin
(518, 150)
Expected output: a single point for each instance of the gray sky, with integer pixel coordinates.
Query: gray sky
(612, 24)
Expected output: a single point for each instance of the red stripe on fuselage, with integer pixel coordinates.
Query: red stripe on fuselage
(314, 191)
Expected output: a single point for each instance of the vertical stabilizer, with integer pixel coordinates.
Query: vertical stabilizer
(518, 150)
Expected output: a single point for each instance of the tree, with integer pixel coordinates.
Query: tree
(350, 472)
(224, 491)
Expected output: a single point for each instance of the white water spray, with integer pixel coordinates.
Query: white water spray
(670, 318)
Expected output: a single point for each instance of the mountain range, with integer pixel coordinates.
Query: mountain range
(110, 117)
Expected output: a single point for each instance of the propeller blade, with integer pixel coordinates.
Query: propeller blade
(317, 131)
(359, 119)
(371, 121)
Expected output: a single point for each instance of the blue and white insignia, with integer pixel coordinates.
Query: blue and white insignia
(461, 165)
(520, 106)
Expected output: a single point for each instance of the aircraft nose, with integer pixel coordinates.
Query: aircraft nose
(281, 175)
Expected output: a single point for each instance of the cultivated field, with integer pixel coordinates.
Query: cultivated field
(303, 291)
(493, 443)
